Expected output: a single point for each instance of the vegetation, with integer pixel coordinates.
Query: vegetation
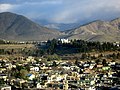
(20, 72)
(2, 82)
(2, 42)
(56, 47)
(79, 46)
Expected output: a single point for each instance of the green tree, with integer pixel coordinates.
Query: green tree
(2, 42)
(24, 85)
(97, 61)
(104, 62)
(84, 56)
(23, 73)
(76, 62)
(2, 82)
(118, 55)
(54, 64)
(52, 46)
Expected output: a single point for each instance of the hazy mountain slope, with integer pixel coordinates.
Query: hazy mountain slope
(62, 26)
(17, 27)
(57, 26)
(97, 31)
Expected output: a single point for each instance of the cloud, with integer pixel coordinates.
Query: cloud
(88, 10)
(34, 9)
(64, 11)
(5, 7)
(31, 1)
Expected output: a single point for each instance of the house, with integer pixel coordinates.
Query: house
(91, 66)
(86, 65)
(38, 85)
(111, 63)
(2, 69)
(59, 78)
(18, 82)
(99, 66)
(92, 88)
(64, 40)
(30, 59)
(36, 69)
(43, 76)
(66, 86)
(5, 87)
(30, 76)
(44, 67)
(8, 65)
(3, 76)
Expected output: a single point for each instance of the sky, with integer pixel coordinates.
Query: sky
(63, 11)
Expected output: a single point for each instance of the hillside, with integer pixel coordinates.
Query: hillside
(97, 31)
(18, 27)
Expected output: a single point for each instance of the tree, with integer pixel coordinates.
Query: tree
(2, 82)
(2, 42)
(53, 57)
(2, 51)
(114, 56)
(24, 85)
(52, 46)
(19, 67)
(76, 62)
(101, 55)
(97, 61)
(54, 64)
(84, 56)
(23, 73)
(14, 72)
(104, 62)
(118, 55)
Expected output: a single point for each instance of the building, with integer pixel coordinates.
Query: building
(6, 87)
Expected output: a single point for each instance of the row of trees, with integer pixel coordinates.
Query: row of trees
(24, 52)
(80, 46)
(54, 46)
(114, 56)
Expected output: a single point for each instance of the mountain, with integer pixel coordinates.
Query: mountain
(57, 26)
(96, 31)
(62, 26)
(18, 27)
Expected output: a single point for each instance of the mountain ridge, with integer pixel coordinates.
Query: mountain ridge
(89, 32)
(18, 27)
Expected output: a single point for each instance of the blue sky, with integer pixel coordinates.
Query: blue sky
(63, 11)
